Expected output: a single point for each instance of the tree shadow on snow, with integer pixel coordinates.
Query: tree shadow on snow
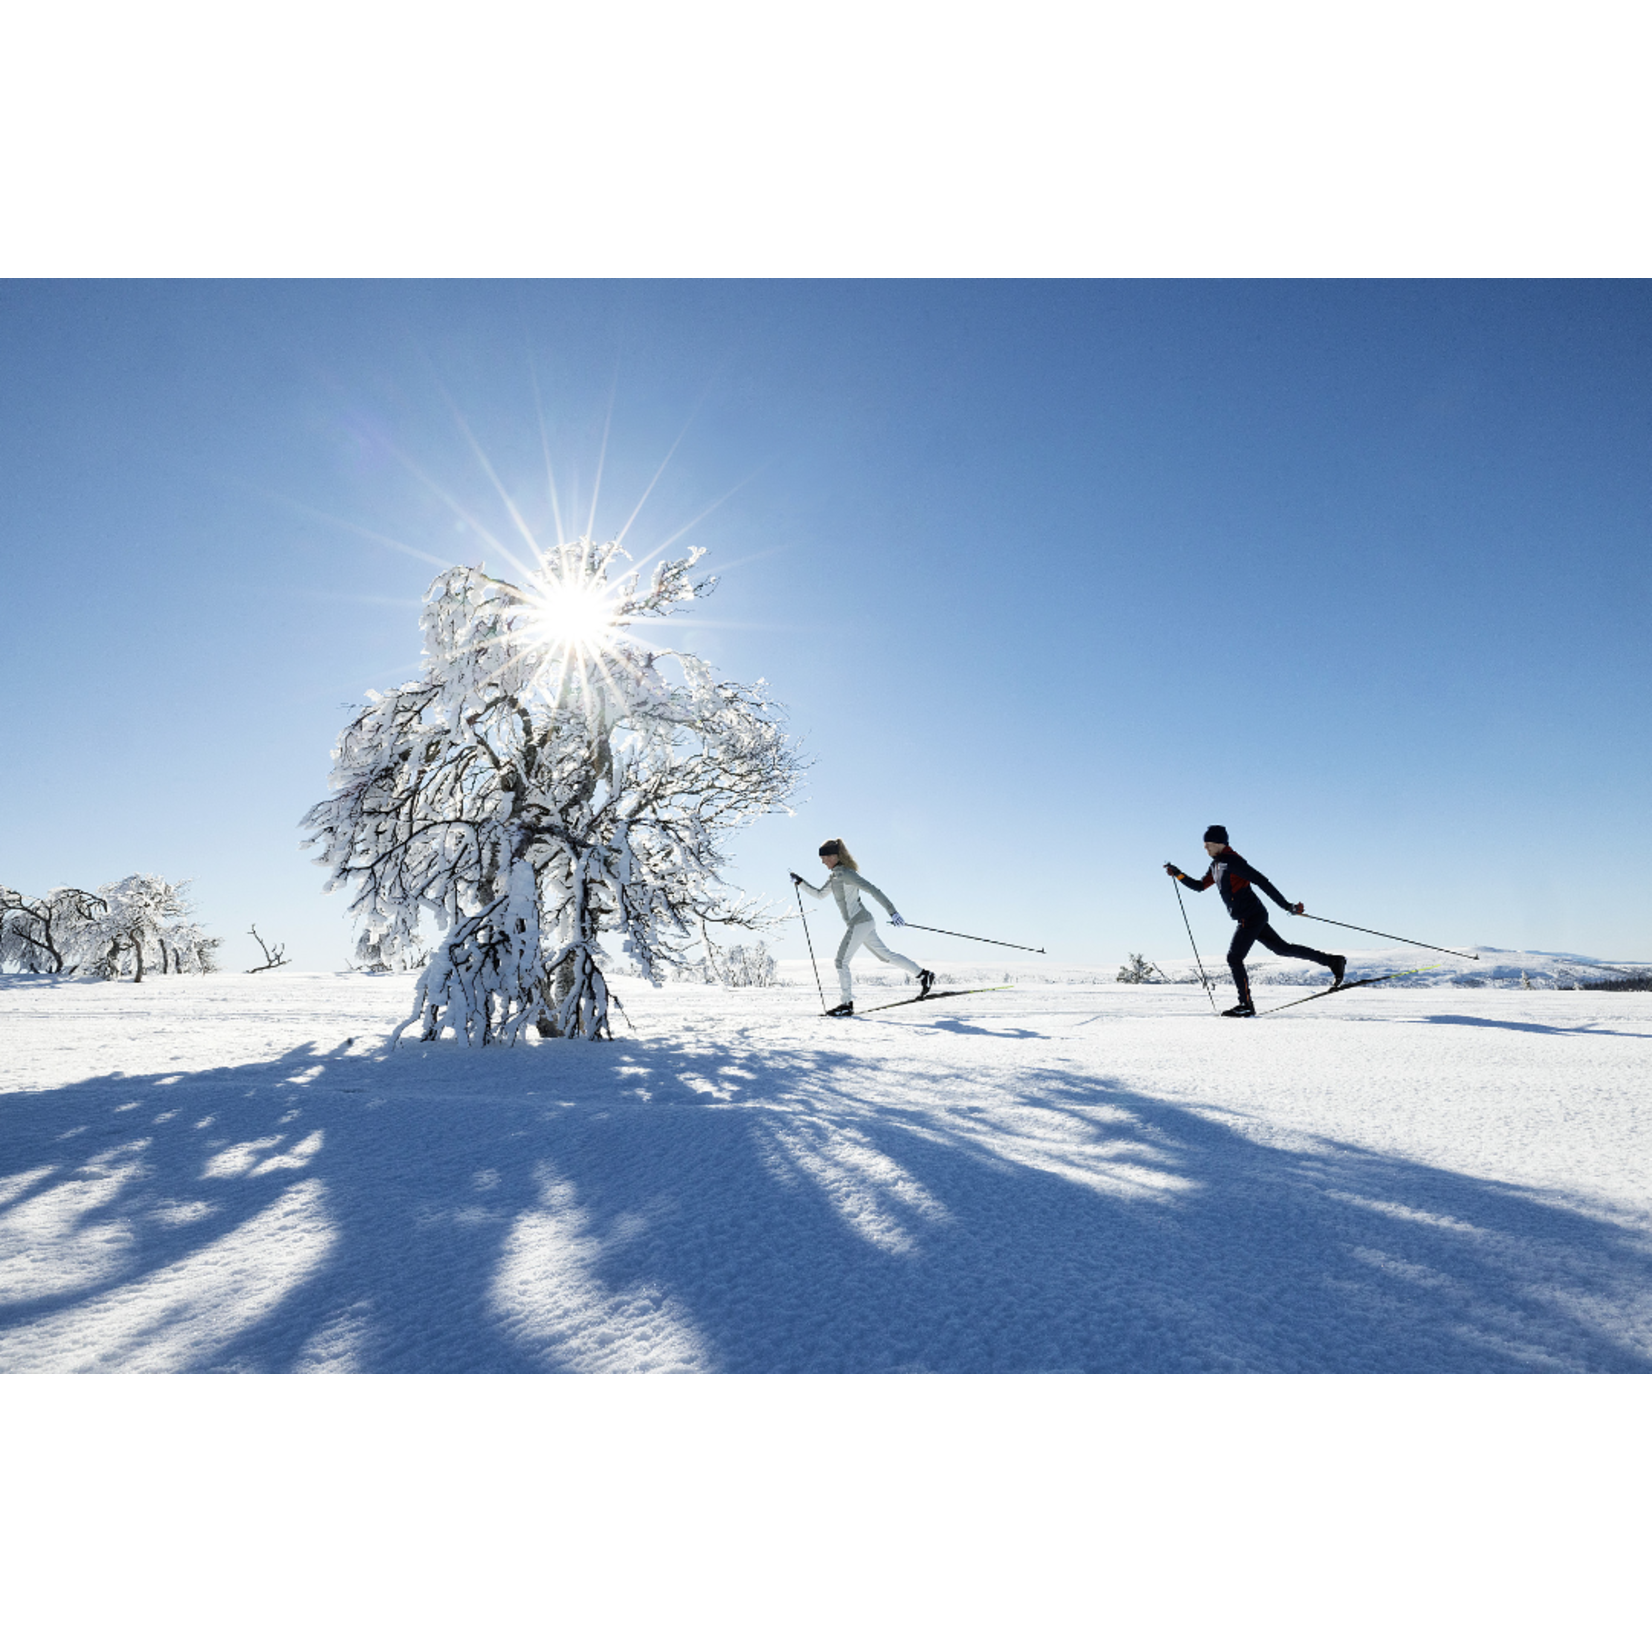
(1529, 1026)
(684, 1205)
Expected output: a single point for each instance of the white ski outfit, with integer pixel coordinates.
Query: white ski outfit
(846, 886)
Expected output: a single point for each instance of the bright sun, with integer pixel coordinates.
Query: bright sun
(574, 616)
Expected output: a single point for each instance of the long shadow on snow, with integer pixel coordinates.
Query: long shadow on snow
(197, 1192)
(678, 1205)
(951, 1024)
(1072, 1225)
(1530, 1027)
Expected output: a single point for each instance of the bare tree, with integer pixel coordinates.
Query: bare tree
(272, 960)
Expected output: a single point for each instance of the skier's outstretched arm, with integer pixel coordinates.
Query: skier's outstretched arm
(1273, 894)
(803, 883)
(872, 889)
(1181, 877)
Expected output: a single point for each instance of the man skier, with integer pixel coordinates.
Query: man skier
(1234, 878)
(845, 882)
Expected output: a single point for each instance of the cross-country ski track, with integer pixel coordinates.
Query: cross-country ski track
(234, 1173)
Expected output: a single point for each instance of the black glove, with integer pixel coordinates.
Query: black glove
(794, 877)
(1174, 871)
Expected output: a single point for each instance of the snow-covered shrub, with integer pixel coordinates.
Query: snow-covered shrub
(749, 966)
(548, 779)
(1138, 972)
(375, 959)
(735, 966)
(142, 922)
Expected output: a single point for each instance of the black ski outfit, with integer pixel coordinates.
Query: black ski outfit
(1236, 882)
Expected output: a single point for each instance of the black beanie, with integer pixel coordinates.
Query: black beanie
(1216, 834)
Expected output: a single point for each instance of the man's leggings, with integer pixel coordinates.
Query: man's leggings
(1259, 929)
(865, 934)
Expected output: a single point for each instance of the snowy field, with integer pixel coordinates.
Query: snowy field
(234, 1173)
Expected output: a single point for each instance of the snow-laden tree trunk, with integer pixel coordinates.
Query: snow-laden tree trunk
(549, 780)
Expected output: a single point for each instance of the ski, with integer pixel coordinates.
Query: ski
(927, 998)
(1369, 981)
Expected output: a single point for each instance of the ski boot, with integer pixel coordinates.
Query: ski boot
(843, 1009)
(1241, 1010)
(1338, 965)
(926, 979)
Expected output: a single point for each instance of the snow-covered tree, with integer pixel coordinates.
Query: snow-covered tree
(42, 936)
(550, 778)
(145, 922)
(1139, 972)
(141, 922)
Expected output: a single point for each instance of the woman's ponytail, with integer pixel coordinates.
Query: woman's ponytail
(835, 846)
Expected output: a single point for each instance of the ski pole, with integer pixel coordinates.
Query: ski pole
(809, 943)
(1014, 947)
(1387, 937)
(1194, 944)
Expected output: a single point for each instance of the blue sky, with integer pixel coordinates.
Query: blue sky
(1049, 574)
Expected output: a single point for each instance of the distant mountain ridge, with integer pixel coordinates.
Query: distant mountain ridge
(1496, 967)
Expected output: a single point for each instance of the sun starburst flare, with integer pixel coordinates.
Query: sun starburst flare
(574, 613)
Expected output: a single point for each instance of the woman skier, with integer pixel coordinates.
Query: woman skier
(845, 883)
(1234, 876)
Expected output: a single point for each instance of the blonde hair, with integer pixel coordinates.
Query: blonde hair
(836, 846)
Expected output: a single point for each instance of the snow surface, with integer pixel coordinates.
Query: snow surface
(235, 1173)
